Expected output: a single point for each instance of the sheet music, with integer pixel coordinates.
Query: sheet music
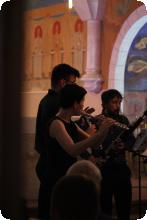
(140, 140)
(144, 153)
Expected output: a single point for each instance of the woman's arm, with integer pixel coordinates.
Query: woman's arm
(58, 131)
(83, 134)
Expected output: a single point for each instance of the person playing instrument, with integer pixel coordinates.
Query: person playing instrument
(65, 142)
(49, 105)
(115, 171)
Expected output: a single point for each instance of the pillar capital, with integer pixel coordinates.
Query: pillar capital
(93, 82)
(90, 9)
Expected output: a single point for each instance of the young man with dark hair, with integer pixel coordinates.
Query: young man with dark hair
(115, 171)
(62, 74)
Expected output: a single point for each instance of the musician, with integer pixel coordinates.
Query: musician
(65, 141)
(115, 171)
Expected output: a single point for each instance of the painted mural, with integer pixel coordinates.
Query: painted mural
(53, 35)
(136, 68)
(135, 100)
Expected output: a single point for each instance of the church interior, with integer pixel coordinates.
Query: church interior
(106, 40)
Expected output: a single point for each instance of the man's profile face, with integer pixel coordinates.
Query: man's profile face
(71, 79)
(114, 105)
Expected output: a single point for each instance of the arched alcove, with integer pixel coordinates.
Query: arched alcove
(120, 51)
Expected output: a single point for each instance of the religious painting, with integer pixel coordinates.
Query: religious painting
(136, 65)
(53, 35)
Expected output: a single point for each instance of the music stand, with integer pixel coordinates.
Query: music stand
(140, 150)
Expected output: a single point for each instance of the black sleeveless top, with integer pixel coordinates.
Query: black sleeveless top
(54, 160)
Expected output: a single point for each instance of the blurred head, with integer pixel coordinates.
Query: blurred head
(111, 101)
(86, 168)
(72, 96)
(63, 74)
(74, 198)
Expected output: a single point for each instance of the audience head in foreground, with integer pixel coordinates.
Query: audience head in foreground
(86, 168)
(74, 198)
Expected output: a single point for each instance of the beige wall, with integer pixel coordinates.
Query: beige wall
(32, 99)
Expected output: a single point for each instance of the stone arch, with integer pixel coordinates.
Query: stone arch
(129, 29)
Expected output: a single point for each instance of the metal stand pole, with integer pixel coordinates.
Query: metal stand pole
(139, 186)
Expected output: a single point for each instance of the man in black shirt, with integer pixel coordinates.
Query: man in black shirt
(116, 175)
(62, 74)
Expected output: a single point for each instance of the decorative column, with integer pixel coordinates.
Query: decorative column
(92, 11)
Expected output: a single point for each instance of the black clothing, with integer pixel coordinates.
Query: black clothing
(48, 108)
(122, 192)
(116, 176)
(53, 163)
(102, 216)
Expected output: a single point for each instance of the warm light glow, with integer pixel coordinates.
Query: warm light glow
(70, 3)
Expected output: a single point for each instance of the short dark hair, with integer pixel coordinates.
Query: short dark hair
(75, 198)
(70, 94)
(62, 71)
(106, 96)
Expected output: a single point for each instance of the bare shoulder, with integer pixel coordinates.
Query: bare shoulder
(56, 123)
(55, 127)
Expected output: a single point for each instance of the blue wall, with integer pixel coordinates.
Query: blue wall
(34, 4)
(136, 66)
